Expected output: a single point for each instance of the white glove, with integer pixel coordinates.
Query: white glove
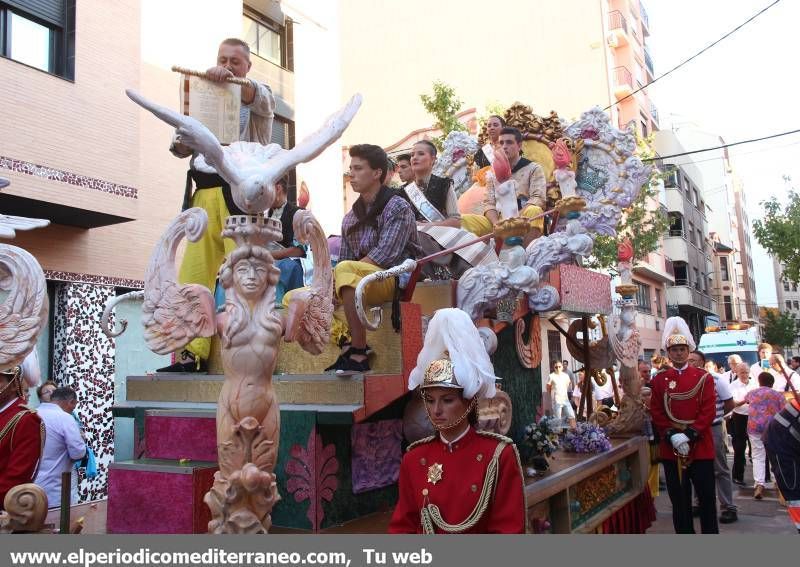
(681, 443)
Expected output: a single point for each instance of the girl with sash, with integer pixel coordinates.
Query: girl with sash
(438, 221)
(459, 480)
(484, 157)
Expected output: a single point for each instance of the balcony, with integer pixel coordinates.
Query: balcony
(688, 296)
(623, 82)
(618, 27)
(676, 248)
(648, 62)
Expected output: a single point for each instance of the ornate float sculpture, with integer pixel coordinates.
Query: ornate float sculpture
(455, 160)
(594, 176)
(248, 417)
(23, 315)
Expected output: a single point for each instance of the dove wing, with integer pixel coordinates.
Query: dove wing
(195, 135)
(313, 144)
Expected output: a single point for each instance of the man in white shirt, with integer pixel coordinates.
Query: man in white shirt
(63, 443)
(734, 360)
(604, 395)
(764, 354)
(738, 423)
(558, 386)
(724, 404)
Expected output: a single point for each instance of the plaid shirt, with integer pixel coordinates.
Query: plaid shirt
(394, 240)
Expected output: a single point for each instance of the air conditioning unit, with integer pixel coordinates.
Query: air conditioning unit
(612, 40)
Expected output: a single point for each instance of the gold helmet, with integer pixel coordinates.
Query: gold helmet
(440, 373)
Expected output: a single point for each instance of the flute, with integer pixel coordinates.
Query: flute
(235, 80)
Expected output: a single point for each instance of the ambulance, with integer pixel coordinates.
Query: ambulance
(719, 342)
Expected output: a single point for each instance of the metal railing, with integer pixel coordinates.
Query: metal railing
(617, 21)
(648, 61)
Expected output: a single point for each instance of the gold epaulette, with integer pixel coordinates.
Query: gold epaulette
(497, 436)
(420, 442)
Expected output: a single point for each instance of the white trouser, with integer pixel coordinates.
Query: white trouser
(759, 459)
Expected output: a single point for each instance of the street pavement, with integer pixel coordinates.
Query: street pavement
(765, 516)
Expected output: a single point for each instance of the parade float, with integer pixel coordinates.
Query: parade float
(264, 442)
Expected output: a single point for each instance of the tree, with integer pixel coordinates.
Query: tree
(780, 328)
(779, 233)
(443, 105)
(643, 222)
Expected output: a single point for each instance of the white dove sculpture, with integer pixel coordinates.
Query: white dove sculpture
(250, 168)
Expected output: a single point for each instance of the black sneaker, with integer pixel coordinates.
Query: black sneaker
(739, 482)
(728, 517)
(188, 366)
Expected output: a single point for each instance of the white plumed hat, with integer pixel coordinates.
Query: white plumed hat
(676, 332)
(454, 356)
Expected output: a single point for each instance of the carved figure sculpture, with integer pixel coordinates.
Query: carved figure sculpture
(23, 314)
(248, 417)
(453, 161)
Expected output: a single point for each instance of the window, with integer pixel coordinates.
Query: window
(671, 180)
(697, 284)
(700, 240)
(39, 33)
(266, 38)
(645, 131)
(659, 311)
(796, 304)
(554, 346)
(695, 199)
(728, 308)
(794, 287)
(681, 273)
(692, 234)
(723, 268)
(788, 304)
(643, 297)
(785, 286)
(675, 224)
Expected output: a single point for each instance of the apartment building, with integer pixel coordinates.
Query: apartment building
(687, 245)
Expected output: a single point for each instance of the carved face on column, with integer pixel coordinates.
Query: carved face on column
(250, 276)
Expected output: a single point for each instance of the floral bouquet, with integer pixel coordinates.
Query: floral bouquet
(586, 438)
(541, 439)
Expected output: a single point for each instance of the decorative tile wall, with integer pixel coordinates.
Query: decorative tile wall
(83, 359)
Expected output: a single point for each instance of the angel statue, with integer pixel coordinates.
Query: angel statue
(248, 417)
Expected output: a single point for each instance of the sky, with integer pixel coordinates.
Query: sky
(744, 87)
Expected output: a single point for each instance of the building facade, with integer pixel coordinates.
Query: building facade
(687, 245)
(733, 284)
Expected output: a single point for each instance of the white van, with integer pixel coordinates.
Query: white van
(719, 343)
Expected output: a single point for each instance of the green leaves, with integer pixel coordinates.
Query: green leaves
(779, 233)
(443, 105)
(780, 328)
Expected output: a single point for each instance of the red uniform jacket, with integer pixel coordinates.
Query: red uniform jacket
(457, 493)
(20, 449)
(700, 409)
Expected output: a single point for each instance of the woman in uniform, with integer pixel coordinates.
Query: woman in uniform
(459, 480)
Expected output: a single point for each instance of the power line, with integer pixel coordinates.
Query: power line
(724, 145)
(706, 48)
(737, 157)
